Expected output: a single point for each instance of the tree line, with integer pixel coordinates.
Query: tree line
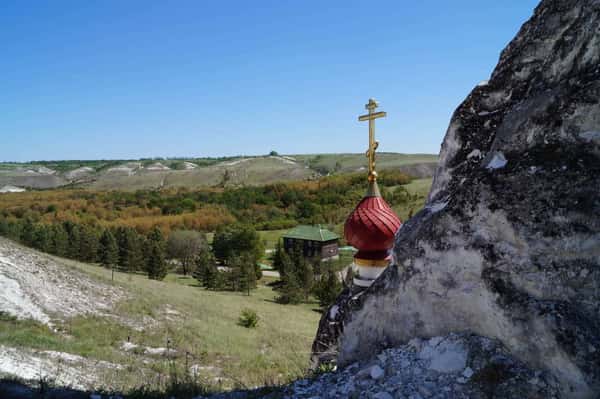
(121, 248)
(231, 263)
(237, 248)
(275, 206)
(301, 277)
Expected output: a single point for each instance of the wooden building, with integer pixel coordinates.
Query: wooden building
(315, 241)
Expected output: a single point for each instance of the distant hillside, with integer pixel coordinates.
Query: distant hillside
(201, 172)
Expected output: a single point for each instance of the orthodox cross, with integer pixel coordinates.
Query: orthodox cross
(373, 144)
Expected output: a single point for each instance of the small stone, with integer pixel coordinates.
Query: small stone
(461, 380)
(424, 391)
(468, 372)
(377, 372)
(394, 381)
(363, 373)
(382, 395)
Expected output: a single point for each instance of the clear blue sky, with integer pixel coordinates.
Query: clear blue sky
(129, 79)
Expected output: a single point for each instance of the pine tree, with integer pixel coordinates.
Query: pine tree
(286, 265)
(4, 227)
(306, 278)
(247, 273)
(135, 255)
(41, 238)
(328, 288)
(88, 244)
(28, 233)
(157, 267)
(121, 238)
(60, 240)
(154, 239)
(156, 236)
(290, 292)
(74, 240)
(109, 251)
(131, 244)
(206, 269)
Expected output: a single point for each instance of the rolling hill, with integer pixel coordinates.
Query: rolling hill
(200, 172)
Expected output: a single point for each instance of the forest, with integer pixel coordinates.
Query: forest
(327, 200)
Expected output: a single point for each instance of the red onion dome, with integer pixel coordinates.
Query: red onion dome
(372, 225)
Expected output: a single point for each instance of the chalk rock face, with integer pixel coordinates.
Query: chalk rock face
(508, 245)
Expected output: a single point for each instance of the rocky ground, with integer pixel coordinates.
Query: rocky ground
(56, 368)
(34, 286)
(451, 367)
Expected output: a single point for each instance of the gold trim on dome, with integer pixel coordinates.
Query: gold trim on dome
(371, 262)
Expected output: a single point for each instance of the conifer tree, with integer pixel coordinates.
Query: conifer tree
(130, 246)
(74, 240)
(88, 244)
(135, 256)
(60, 240)
(28, 233)
(109, 251)
(4, 227)
(41, 238)
(206, 269)
(157, 268)
(328, 287)
(247, 272)
(290, 292)
(154, 238)
(306, 278)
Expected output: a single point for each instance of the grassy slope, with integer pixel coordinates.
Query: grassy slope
(205, 326)
(352, 162)
(420, 188)
(251, 171)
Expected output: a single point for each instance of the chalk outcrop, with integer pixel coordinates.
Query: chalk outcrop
(508, 245)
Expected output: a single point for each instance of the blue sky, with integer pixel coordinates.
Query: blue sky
(128, 79)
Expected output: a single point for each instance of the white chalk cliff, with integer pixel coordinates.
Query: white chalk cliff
(508, 245)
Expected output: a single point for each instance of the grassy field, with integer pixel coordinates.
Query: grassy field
(419, 188)
(352, 162)
(201, 325)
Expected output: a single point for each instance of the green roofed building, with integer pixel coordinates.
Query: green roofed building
(315, 241)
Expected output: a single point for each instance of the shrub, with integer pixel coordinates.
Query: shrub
(248, 318)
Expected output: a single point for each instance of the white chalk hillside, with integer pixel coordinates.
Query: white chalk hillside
(35, 286)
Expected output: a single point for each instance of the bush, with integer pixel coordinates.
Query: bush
(248, 318)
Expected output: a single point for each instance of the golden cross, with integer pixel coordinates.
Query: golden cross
(373, 144)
